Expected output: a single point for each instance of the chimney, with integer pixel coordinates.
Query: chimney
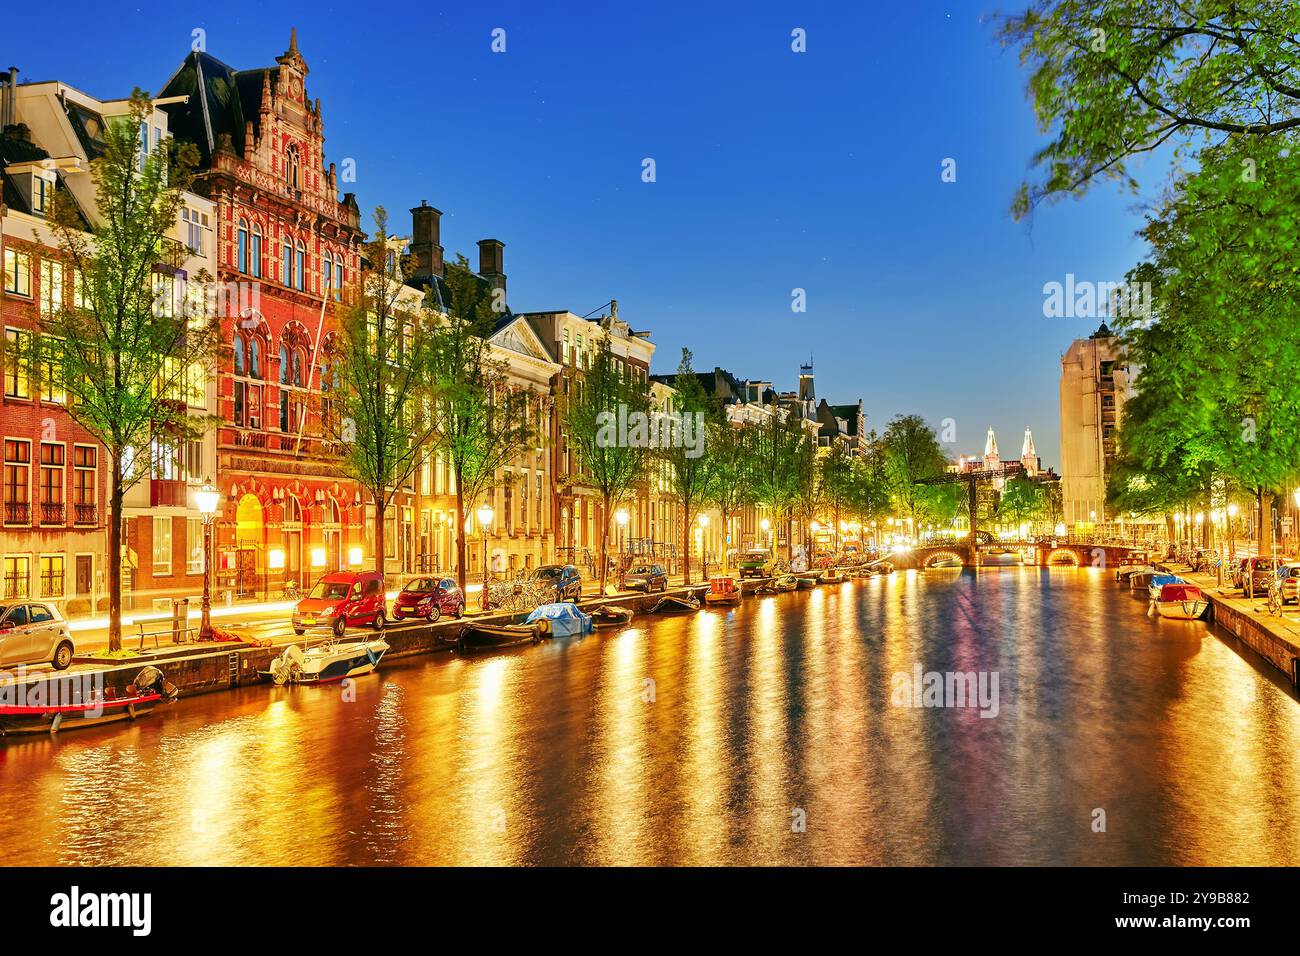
(491, 261)
(426, 234)
(9, 97)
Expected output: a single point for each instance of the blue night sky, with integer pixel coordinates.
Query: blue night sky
(775, 170)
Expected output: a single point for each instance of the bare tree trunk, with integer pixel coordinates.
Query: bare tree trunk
(381, 542)
(115, 558)
(460, 534)
(1265, 531)
(604, 543)
(686, 542)
(726, 530)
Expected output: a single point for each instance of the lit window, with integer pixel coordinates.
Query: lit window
(17, 366)
(51, 575)
(162, 545)
(241, 247)
(51, 291)
(18, 272)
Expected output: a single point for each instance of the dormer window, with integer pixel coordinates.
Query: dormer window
(42, 193)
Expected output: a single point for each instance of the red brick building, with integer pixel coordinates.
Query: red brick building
(284, 235)
(52, 532)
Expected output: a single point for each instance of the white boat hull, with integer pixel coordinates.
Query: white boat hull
(1182, 610)
(330, 661)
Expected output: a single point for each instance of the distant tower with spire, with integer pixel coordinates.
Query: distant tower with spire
(1029, 459)
(992, 462)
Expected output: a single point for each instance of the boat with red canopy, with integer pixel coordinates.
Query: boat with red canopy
(1181, 601)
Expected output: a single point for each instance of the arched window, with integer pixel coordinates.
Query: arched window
(300, 271)
(291, 167)
(239, 355)
(284, 365)
(241, 247)
(328, 271)
(338, 278)
(287, 276)
(256, 256)
(255, 356)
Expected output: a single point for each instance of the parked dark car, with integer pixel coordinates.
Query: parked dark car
(342, 599)
(646, 577)
(563, 581)
(429, 598)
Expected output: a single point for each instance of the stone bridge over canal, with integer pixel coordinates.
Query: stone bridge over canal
(1035, 553)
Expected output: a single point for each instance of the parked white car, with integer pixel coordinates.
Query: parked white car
(33, 633)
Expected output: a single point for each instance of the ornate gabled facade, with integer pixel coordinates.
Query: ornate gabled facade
(288, 252)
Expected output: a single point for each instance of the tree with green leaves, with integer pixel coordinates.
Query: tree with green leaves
(126, 350)
(688, 471)
(776, 445)
(382, 395)
(1118, 80)
(1021, 502)
(835, 477)
(1217, 393)
(731, 480)
(911, 452)
(481, 423)
(611, 459)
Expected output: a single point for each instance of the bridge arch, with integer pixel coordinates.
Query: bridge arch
(1063, 558)
(943, 559)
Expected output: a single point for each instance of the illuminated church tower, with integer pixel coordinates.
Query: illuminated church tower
(1029, 459)
(991, 460)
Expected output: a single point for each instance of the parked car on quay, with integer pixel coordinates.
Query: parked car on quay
(1288, 581)
(429, 598)
(757, 563)
(1256, 574)
(343, 599)
(34, 634)
(646, 577)
(561, 581)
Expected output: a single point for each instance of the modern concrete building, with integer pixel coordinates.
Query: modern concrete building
(1095, 383)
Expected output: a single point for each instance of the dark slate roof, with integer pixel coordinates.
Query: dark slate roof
(849, 413)
(221, 100)
(19, 149)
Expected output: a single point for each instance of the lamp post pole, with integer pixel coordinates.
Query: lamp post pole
(485, 513)
(207, 499)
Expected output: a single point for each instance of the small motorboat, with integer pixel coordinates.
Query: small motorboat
(1123, 574)
(147, 691)
(1141, 580)
(328, 661)
(806, 583)
(1184, 602)
(1158, 581)
(491, 637)
(611, 615)
(676, 603)
(560, 620)
(831, 576)
(722, 591)
(786, 582)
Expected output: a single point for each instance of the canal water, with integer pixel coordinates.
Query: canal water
(780, 732)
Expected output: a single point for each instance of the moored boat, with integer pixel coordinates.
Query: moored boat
(611, 615)
(559, 620)
(147, 691)
(786, 582)
(1181, 601)
(1123, 574)
(674, 603)
(831, 576)
(328, 661)
(489, 637)
(1141, 580)
(722, 590)
(806, 583)
(1158, 581)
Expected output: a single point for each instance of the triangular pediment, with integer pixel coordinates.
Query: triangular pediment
(518, 336)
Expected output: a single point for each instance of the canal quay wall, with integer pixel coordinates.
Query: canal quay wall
(207, 668)
(1272, 638)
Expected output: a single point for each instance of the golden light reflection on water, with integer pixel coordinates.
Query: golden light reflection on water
(693, 740)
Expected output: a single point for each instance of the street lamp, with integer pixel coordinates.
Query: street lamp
(622, 517)
(207, 498)
(485, 514)
(704, 565)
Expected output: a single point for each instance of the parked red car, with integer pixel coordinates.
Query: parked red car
(429, 598)
(343, 599)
